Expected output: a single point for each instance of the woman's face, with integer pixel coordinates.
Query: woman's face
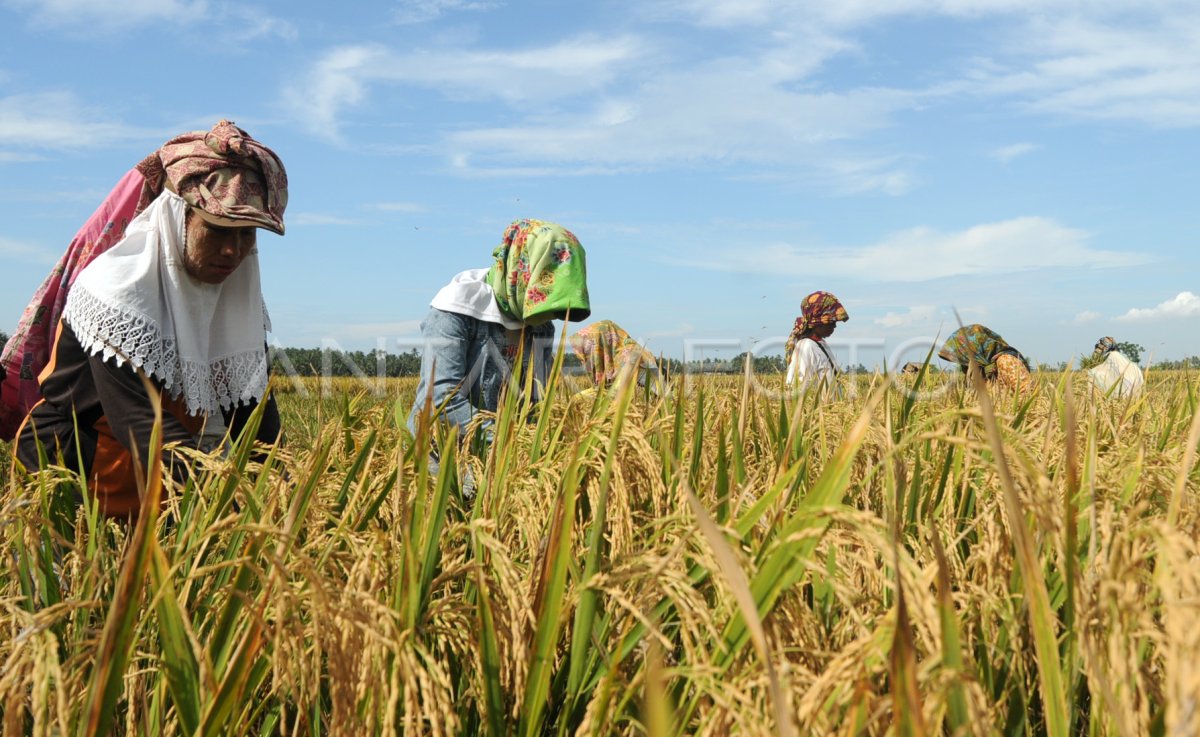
(824, 330)
(212, 253)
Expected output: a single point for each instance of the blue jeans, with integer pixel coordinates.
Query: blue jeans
(467, 361)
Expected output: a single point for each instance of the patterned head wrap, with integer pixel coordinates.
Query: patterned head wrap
(818, 308)
(604, 349)
(979, 343)
(230, 178)
(1107, 344)
(540, 269)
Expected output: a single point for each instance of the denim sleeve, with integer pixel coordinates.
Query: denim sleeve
(545, 351)
(444, 367)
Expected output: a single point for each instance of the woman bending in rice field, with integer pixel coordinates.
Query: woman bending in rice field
(483, 319)
(1115, 375)
(610, 357)
(164, 292)
(1000, 362)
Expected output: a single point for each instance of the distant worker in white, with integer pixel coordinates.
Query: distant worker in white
(1116, 375)
(810, 362)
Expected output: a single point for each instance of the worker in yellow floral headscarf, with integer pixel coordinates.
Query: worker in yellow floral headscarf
(610, 356)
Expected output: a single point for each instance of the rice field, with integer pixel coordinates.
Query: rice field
(723, 560)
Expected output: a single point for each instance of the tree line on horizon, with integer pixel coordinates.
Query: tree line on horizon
(376, 363)
(331, 362)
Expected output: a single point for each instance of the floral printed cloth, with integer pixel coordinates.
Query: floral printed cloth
(605, 350)
(818, 308)
(1106, 344)
(540, 269)
(223, 171)
(28, 351)
(1012, 373)
(985, 347)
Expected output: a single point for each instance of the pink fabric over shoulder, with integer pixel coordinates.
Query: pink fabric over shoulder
(28, 350)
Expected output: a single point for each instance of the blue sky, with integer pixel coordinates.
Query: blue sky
(1033, 164)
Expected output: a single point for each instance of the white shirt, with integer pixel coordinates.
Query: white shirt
(811, 362)
(468, 294)
(1118, 371)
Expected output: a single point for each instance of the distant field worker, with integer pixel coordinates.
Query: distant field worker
(1116, 375)
(810, 362)
(177, 300)
(999, 361)
(610, 357)
(478, 322)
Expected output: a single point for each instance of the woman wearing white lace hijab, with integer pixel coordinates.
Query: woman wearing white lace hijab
(177, 300)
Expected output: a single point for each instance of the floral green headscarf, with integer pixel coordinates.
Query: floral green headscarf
(540, 269)
(979, 343)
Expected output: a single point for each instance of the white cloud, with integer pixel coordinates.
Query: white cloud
(342, 78)
(421, 11)
(237, 21)
(1005, 154)
(405, 207)
(1086, 317)
(57, 120)
(11, 157)
(1184, 304)
(637, 103)
(1146, 70)
(19, 251)
(318, 218)
(618, 104)
(918, 315)
(923, 253)
(247, 23)
(1117, 60)
(107, 13)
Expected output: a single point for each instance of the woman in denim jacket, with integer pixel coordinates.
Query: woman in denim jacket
(477, 322)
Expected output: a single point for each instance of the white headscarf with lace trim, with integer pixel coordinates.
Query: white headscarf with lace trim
(136, 302)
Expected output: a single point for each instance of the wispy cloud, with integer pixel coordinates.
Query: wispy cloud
(918, 315)
(107, 14)
(924, 253)
(238, 21)
(58, 120)
(1087, 316)
(12, 157)
(318, 218)
(405, 207)
(1184, 304)
(1130, 67)
(27, 252)
(619, 104)
(422, 11)
(1005, 154)
(342, 78)
(1119, 60)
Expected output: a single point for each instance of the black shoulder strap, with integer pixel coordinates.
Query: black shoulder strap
(833, 363)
